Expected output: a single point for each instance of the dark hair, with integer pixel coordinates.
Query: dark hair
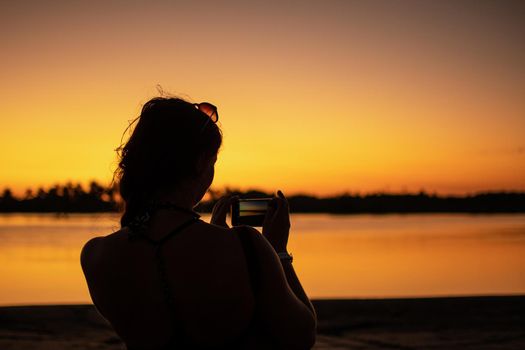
(169, 137)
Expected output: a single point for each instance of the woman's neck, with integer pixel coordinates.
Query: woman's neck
(172, 206)
(177, 199)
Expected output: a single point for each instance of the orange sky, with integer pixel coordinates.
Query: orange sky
(314, 96)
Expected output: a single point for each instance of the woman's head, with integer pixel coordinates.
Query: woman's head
(173, 146)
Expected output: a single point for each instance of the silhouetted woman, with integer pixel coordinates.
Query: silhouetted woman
(168, 280)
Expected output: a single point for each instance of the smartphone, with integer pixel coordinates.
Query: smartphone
(249, 212)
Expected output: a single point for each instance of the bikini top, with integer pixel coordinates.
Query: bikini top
(179, 340)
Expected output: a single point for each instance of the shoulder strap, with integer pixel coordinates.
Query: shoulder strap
(251, 257)
(172, 233)
(178, 336)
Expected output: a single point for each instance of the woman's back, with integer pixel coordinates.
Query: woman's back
(194, 289)
(209, 285)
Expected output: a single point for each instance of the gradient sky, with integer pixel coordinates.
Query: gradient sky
(314, 96)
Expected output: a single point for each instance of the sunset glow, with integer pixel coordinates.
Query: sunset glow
(321, 98)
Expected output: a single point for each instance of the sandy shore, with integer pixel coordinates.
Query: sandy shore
(434, 323)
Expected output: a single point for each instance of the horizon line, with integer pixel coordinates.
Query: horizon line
(230, 189)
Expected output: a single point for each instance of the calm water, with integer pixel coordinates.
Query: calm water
(335, 256)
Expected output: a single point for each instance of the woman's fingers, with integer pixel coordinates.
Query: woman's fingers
(276, 225)
(221, 210)
(218, 216)
(284, 209)
(283, 198)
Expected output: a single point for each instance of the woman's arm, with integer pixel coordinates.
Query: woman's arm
(295, 285)
(282, 305)
(290, 314)
(276, 229)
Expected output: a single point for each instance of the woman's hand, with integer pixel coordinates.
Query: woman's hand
(276, 226)
(221, 209)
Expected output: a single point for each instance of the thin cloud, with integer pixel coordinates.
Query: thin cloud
(515, 151)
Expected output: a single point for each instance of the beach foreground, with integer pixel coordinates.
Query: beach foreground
(430, 323)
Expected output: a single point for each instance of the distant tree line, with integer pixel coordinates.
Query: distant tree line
(70, 198)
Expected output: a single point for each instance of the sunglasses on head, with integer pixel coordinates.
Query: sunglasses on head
(208, 109)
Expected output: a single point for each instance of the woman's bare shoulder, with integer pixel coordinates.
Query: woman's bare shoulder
(92, 249)
(226, 235)
(261, 244)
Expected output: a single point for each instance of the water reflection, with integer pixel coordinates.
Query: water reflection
(335, 256)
